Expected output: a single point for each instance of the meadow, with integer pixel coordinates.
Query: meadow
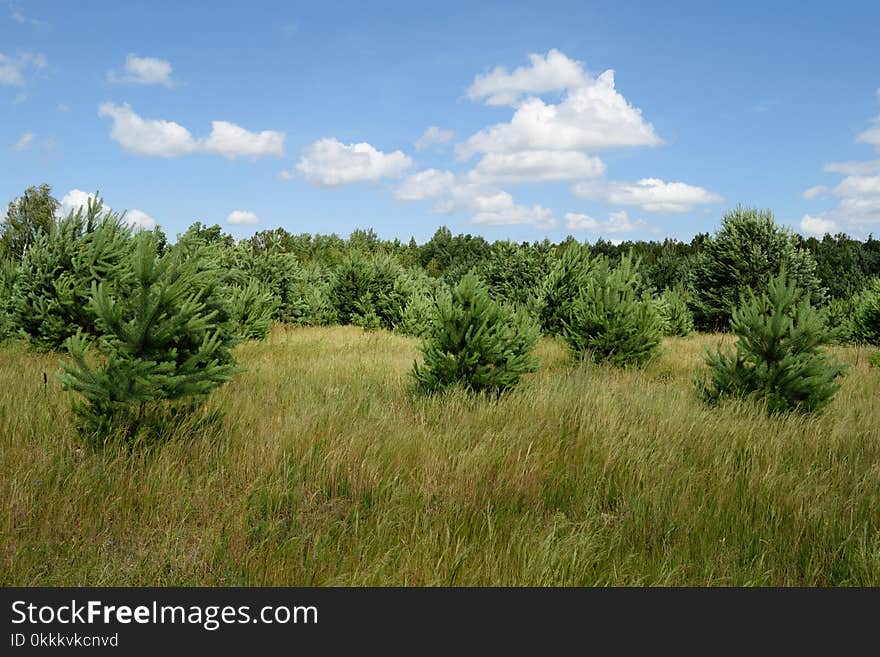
(326, 470)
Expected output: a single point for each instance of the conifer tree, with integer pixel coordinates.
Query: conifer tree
(162, 347)
(253, 307)
(866, 314)
(611, 319)
(675, 315)
(8, 274)
(50, 300)
(567, 278)
(475, 342)
(745, 253)
(776, 359)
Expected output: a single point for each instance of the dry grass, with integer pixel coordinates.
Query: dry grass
(326, 472)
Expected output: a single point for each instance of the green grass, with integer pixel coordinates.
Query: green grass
(325, 471)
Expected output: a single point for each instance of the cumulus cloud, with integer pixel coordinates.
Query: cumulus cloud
(535, 166)
(650, 194)
(330, 163)
(242, 217)
(151, 137)
(592, 115)
(617, 222)
(73, 201)
(813, 192)
(24, 142)
(493, 207)
(551, 72)
(858, 186)
(143, 70)
(231, 140)
(62, 107)
(433, 136)
(13, 68)
(427, 184)
(817, 226)
(140, 220)
(158, 138)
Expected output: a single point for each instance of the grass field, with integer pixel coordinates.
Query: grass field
(325, 471)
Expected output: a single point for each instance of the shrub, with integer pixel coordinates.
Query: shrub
(676, 317)
(866, 314)
(51, 296)
(874, 359)
(8, 274)
(567, 277)
(475, 342)
(281, 275)
(839, 320)
(745, 253)
(776, 359)
(611, 320)
(161, 350)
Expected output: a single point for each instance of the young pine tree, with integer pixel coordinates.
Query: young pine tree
(567, 278)
(674, 312)
(162, 348)
(776, 359)
(866, 314)
(611, 319)
(475, 342)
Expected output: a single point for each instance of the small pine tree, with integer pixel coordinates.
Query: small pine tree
(611, 319)
(475, 342)
(8, 274)
(777, 358)
(675, 315)
(50, 300)
(568, 276)
(161, 350)
(363, 286)
(253, 307)
(866, 314)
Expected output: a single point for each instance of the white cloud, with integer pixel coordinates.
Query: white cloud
(817, 226)
(143, 70)
(330, 163)
(534, 215)
(237, 217)
(14, 68)
(589, 118)
(652, 195)
(813, 192)
(856, 186)
(231, 141)
(617, 222)
(551, 72)
(73, 201)
(493, 207)
(853, 168)
(427, 184)
(152, 137)
(158, 138)
(871, 135)
(63, 107)
(24, 142)
(535, 166)
(432, 137)
(140, 220)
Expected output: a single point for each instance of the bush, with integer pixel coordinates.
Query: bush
(281, 275)
(744, 254)
(874, 359)
(839, 319)
(676, 317)
(162, 348)
(8, 274)
(866, 314)
(611, 320)
(567, 277)
(475, 342)
(51, 296)
(776, 359)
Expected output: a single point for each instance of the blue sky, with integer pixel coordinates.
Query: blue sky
(501, 119)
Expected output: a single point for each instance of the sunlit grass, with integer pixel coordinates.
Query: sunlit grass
(326, 471)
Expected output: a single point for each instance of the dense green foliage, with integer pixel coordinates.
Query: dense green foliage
(27, 217)
(866, 314)
(568, 275)
(744, 254)
(50, 299)
(162, 346)
(611, 319)
(777, 359)
(675, 314)
(475, 342)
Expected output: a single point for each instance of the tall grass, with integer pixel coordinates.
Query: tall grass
(325, 471)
